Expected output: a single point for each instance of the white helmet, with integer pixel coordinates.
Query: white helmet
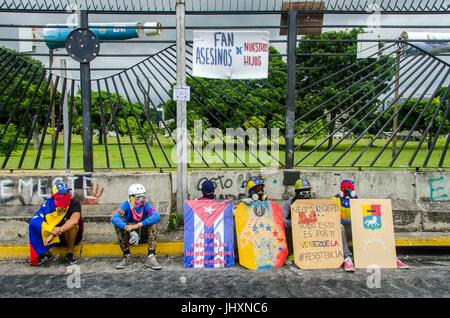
(136, 189)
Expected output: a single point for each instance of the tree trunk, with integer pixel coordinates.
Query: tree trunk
(36, 138)
(150, 140)
(100, 138)
(332, 127)
(429, 140)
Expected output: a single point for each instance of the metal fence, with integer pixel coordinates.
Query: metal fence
(332, 109)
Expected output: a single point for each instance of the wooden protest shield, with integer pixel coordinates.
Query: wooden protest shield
(261, 235)
(316, 233)
(373, 233)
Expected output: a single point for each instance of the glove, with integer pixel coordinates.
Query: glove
(247, 201)
(134, 238)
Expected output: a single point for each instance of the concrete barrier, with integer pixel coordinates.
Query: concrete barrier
(421, 200)
(100, 194)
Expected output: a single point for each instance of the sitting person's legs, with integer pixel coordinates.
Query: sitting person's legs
(152, 240)
(348, 263)
(70, 238)
(123, 237)
(345, 239)
(289, 240)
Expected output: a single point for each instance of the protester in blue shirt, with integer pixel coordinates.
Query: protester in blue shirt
(132, 216)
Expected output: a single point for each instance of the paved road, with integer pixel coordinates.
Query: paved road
(428, 277)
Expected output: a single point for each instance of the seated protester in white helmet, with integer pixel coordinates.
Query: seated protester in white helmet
(133, 217)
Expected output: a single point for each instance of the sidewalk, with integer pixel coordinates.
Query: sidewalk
(112, 249)
(427, 277)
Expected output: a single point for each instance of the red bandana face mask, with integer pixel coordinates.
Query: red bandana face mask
(62, 200)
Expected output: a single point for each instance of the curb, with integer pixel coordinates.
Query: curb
(432, 241)
(94, 250)
(177, 248)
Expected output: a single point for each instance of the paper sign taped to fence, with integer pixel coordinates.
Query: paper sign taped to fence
(261, 235)
(373, 233)
(182, 93)
(231, 54)
(316, 233)
(208, 234)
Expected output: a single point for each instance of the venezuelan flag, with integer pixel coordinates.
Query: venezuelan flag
(41, 225)
(344, 207)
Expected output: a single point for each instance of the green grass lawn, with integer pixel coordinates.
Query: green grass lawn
(163, 157)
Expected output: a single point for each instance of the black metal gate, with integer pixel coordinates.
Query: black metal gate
(389, 109)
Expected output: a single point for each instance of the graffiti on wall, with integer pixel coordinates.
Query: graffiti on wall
(232, 187)
(26, 190)
(438, 191)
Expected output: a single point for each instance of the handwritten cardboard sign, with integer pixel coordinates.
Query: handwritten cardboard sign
(373, 233)
(316, 232)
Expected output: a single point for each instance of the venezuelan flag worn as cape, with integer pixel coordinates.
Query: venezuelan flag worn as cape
(344, 207)
(41, 225)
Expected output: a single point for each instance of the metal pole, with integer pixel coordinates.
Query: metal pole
(182, 175)
(395, 121)
(290, 107)
(85, 80)
(65, 120)
(53, 120)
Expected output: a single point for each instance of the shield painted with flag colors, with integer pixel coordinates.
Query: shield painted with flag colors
(208, 234)
(261, 235)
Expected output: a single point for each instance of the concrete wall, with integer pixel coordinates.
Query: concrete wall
(421, 200)
(232, 184)
(100, 195)
(21, 194)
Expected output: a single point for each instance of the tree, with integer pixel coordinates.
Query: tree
(427, 110)
(8, 138)
(134, 113)
(335, 94)
(236, 103)
(13, 107)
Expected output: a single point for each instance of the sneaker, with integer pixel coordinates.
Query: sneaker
(348, 265)
(151, 262)
(295, 270)
(401, 265)
(124, 262)
(70, 259)
(44, 259)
